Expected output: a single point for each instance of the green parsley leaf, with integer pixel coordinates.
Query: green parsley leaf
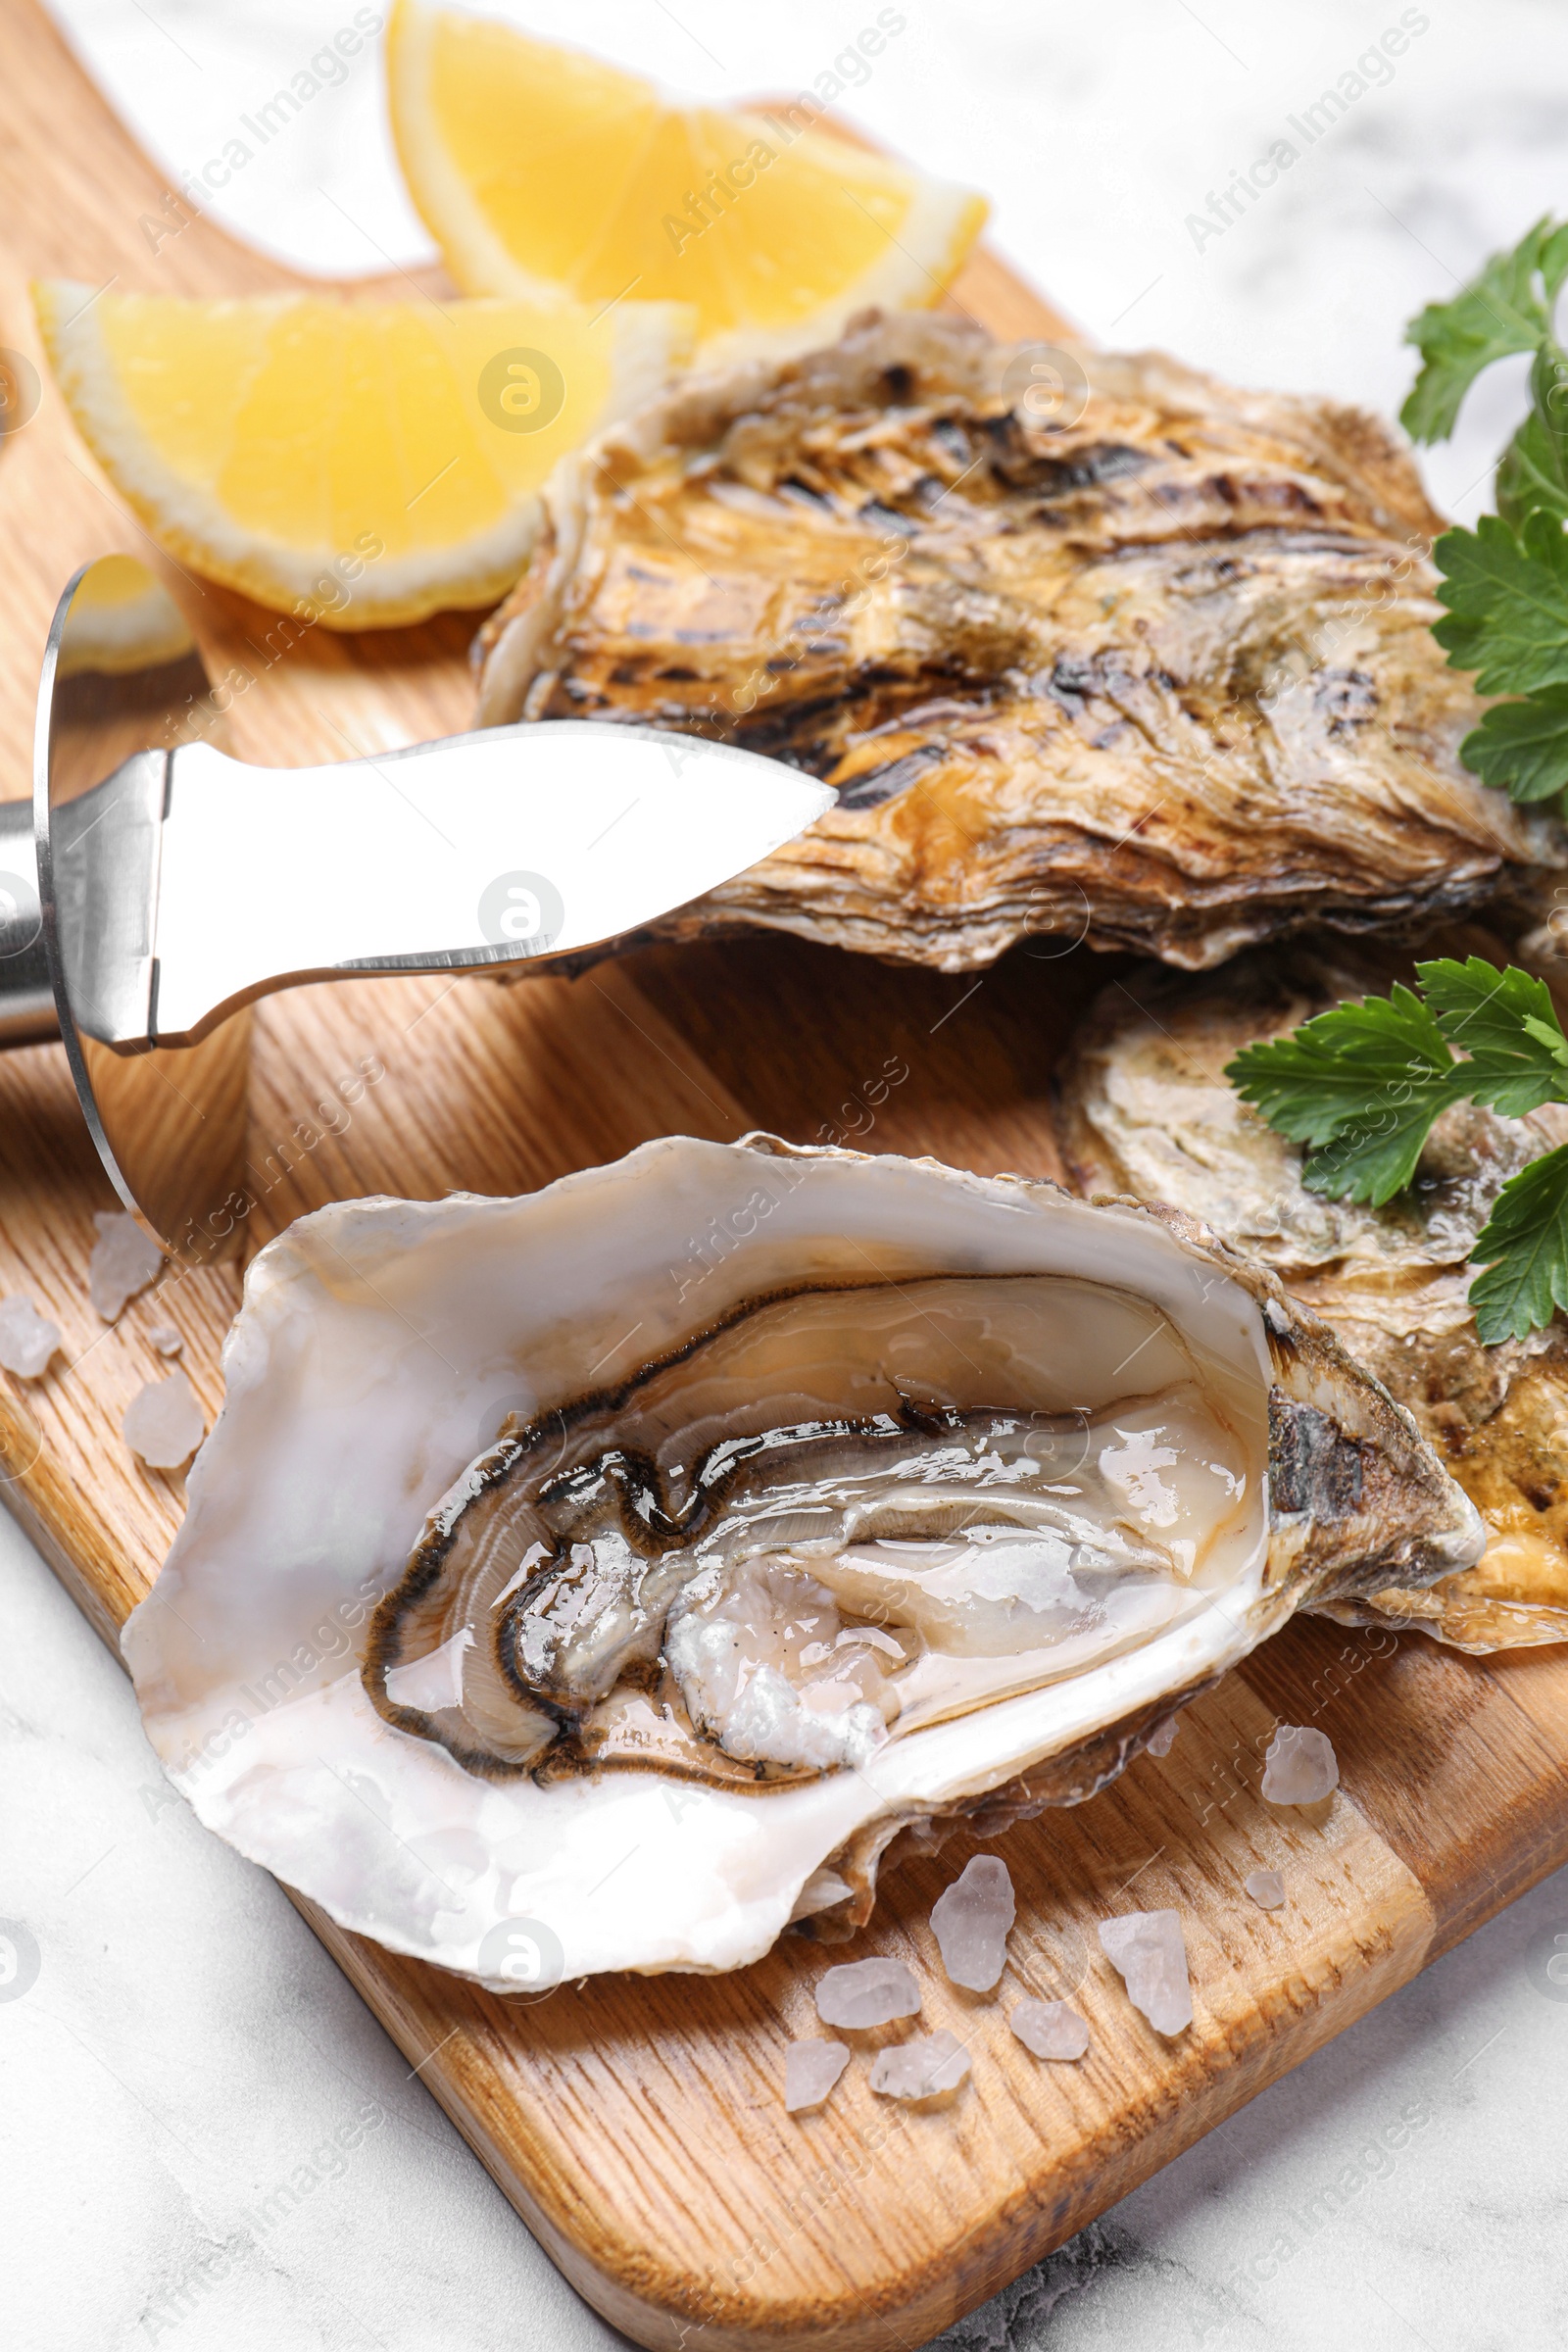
(1548, 399)
(1506, 308)
(1378, 1157)
(1521, 747)
(1507, 600)
(1524, 1247)
(1530, 479)
(1533, 473)
(1362, 1083)
(1506, 1022)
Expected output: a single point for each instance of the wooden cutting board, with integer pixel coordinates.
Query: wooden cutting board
(637, 2123)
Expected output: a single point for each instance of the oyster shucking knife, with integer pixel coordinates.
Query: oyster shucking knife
(153, 888)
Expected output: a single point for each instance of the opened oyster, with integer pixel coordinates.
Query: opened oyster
(775, 1502)
(1144, 1106)
(1149, 663)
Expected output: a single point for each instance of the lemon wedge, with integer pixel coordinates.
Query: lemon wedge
(370, 463)
(539, 168)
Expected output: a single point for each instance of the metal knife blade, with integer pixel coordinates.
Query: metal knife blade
(486, 849)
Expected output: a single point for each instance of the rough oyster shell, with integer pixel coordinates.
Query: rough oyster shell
(1144, 1108)
(1161, 675)
(381, 1342)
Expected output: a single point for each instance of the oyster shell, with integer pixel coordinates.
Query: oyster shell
(543, 1731)
(1160, 674)
(1144, 1108)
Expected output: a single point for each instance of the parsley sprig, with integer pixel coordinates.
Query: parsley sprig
(1505, 583)
(1507, 308)
(1360, 1087)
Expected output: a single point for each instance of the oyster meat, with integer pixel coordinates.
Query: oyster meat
(1159, 674)
(1144, 1108)
(552, 1570)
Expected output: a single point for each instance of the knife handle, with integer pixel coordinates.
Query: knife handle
(27, 1015)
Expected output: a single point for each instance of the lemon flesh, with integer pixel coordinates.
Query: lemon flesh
(536, 168)
(372, 462)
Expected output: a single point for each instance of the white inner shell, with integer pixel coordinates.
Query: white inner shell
(381, 1345)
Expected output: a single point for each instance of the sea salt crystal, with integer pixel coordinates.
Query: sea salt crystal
(867, 1993)
(1149, 1950)
(1267, 1889)
(970, 1922)
(123, 1261)
(921, 2069)
(27, 1339)
(165, 1339)
(810, 2070)
(1166, 1738)
(163, 1421)
(1299, 1767)
(1050, 2029)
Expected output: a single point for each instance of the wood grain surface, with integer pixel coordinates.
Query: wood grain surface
(637, 2123)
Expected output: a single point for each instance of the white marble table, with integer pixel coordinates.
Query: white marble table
(205, 2139)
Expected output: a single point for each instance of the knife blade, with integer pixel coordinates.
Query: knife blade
(179, 884)
(189, 883)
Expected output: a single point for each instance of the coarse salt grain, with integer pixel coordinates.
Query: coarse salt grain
(867, 1993)
(1149, 1951)
(921, 2069)
(1267, 1889)
(1050, 2029)
(163, 1421)
(810, 2070)
(27, 1339)
(1301, 1767)
(970, 1922)
(123, 1261)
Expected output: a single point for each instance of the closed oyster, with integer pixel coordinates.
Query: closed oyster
(1159, 674)
(1144, 1108)
(901, 1495)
